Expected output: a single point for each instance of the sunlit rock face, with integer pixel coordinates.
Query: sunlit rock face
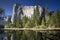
(28, 10)
(20, 10)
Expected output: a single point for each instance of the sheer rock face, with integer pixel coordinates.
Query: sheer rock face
(28, 10)
(20, 11)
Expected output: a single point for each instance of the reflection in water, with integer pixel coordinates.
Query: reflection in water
(30, 35)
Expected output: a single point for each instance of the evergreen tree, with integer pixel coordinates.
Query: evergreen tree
(36, 16)
(1, 10)
(55, 20)
(47, 11)
(1, 19)
(25, 21)
(19, 22)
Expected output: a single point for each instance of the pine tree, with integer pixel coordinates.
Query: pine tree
(47, 11)
(1, 18)
(36, 16)
(1, 10)
(19, 22)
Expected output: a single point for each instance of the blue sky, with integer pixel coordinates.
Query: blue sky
(8, 4)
